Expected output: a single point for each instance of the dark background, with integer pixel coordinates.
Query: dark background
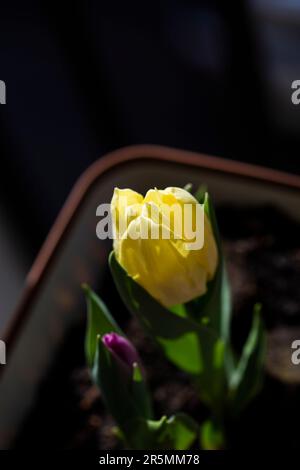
(85, 77)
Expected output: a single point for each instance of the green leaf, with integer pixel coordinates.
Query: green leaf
(182, 431)
(184, 352)
(216, 304)
(219, 303)
(177, 432)
(211, 436)
(140, 393)
(215, 307)
(246, 379)
(200, 193)
(99, 322)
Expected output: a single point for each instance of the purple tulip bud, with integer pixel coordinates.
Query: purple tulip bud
(121, 348)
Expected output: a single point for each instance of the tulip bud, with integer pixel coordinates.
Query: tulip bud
(152, 244)
(121, 348)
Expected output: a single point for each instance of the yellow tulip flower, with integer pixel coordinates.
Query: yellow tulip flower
(156, 246)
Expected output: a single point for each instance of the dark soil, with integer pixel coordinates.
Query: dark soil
(262, 249)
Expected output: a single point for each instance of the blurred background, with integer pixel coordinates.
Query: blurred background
(85, 77)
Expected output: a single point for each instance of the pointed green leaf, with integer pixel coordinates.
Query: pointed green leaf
(216, 304)
(247, 377)
(99, 322)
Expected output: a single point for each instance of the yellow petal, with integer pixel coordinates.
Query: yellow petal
(125, 206)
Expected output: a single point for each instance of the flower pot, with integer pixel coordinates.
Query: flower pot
(52, 303)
